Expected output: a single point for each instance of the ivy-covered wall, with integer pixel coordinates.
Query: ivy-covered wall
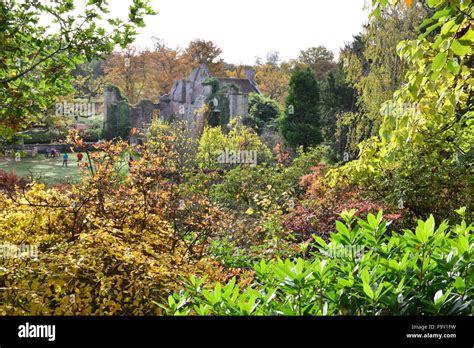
(116, 114)
(222, 95)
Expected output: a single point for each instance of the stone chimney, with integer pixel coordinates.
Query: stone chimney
(250, 74)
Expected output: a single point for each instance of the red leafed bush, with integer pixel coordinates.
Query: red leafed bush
(321, 206)
(8, 181)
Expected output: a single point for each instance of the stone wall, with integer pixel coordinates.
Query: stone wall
(238, 105)
(141, 114)
(185, 102)
(120, 117)
(116, 113)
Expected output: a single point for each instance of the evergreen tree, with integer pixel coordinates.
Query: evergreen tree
(300, 125)
(337, 98)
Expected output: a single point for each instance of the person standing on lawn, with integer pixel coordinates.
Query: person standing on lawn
(65, 159)
(79, 159)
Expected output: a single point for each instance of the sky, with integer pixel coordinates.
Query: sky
(246, 29)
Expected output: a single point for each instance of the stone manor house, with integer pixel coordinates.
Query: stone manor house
(227, 98)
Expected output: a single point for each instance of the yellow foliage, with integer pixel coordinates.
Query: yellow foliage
(102, 270)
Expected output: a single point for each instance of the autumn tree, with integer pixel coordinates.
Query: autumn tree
(201, 52)
(273, 58)
(129, 70)
(236, 71)
(319, 59)
(167, 65)
(147, 74)
(89, 79)
(273, 77)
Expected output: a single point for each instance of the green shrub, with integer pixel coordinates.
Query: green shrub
(262, 111)
(425, 272)
(175, 142)
(243, 187)
(215, 145)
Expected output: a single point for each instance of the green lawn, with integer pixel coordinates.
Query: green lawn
(47, 170)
